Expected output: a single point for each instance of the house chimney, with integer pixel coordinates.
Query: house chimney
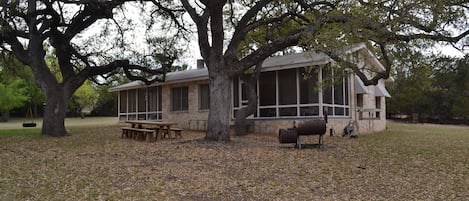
(200, 64)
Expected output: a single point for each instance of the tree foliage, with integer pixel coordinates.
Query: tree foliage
(13, 95)
(436, 88)
(85, 98)
(31, 29)
(15, 85)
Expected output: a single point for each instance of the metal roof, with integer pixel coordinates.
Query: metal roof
(270, 64)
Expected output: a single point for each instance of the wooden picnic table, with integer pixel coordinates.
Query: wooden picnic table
(159, 125)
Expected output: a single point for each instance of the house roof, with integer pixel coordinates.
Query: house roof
(171, 78)
(270, 64)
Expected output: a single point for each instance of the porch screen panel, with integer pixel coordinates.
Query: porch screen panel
(327, 85)
(132, 101)
(346, 91)
(339, 93)
(153, 99)
(123, 102)
(309, 111)
(142, 96)
(267, 88)
(287, 112)
(160, 100)
(308, 87)
(287, 87)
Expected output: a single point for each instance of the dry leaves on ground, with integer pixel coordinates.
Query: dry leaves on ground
(98, 165)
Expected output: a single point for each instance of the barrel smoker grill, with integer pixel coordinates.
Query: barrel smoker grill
(308, 127)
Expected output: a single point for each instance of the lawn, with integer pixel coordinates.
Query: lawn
(15, 123)
(407, 162)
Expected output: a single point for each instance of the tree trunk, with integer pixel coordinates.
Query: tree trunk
(220, 107)
(54, 113)
(240, 122)
(250, 83)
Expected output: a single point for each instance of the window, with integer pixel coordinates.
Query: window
(179, 98)
(378, 102)
(204, 97)
(235, 92)
(359, 100)
(378, 106)
(360, 105)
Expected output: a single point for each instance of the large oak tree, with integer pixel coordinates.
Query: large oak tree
(224, 29)
(31, 29)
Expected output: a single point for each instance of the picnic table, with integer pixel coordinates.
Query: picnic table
(147, 129)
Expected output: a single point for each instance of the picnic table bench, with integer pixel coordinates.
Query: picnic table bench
(136, 133)
(141, 129)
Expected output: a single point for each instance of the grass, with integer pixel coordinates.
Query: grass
(16, 123)
(407, 162)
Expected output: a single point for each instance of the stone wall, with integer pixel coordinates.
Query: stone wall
(193, 118)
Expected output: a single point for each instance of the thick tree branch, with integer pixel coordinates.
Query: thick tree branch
(435, 37)
(250, 80)
(172, 14)
(201, 22)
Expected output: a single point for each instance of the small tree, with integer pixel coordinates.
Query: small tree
(85, 97)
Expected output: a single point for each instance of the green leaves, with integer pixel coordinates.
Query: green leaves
(13, 95)
(438, 87)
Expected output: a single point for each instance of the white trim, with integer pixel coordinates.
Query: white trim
(380, 90)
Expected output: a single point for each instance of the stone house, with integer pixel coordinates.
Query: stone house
(293, 87)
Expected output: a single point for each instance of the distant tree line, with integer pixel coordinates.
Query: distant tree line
(435, 90)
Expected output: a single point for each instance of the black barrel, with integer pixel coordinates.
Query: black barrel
(311, 127)
(287, 135)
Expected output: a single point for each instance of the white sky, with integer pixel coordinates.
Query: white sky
(137, 38)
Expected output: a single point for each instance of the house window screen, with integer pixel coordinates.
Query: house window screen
(204, 97)
(180, 98)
